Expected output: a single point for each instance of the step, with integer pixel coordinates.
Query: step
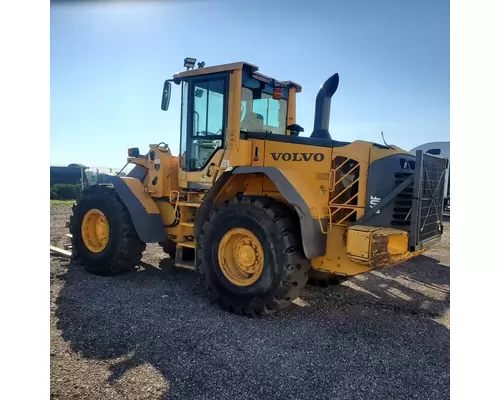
(185, 265)
(186, 244)
(188, 224)
(189, 204)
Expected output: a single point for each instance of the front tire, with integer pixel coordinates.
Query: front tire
(251, 256)
(104, 237)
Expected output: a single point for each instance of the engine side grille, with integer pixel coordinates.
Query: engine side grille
(344, 191)
(402, 203)
(406, 192)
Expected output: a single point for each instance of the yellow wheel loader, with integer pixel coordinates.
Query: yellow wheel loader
(257, 209)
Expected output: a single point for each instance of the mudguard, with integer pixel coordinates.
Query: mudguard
(313, 240)
(144, 212)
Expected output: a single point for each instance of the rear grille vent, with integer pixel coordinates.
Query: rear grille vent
(401, 215)
(407, 164)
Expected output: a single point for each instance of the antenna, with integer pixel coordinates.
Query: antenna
(382, 132)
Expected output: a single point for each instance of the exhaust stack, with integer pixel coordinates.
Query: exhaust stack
(322, 111)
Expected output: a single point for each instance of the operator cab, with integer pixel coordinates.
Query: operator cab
(266, 110)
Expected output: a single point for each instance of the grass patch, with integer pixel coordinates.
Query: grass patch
(68, 202)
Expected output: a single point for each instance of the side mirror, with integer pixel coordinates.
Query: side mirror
(434, 152)
(165, 100)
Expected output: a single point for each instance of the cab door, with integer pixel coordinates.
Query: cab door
(203, 129)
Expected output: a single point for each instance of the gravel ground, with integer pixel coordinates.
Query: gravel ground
(153, 334)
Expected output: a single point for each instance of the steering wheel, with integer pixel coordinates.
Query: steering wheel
(163, 147)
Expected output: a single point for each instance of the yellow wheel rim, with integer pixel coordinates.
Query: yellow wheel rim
(241, 257)
(95, 230)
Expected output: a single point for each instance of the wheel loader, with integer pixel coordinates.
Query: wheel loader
(256, 208)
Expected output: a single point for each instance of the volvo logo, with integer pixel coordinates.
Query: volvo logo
(318, 157)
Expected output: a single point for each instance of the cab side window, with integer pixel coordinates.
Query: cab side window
(208, 128)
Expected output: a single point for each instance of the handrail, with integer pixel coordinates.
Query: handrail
(177, 196)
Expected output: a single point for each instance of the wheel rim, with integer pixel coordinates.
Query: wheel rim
(95, 230)
(241, 257)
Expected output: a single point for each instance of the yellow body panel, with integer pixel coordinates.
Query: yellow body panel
(234, 110)
(137, 188)
(206, 176)
(358, 242)
(311, 181)
(240, 156)
(167, 212)
(163, 168)
(375, 246)
(358, 249)
(292, 105)
(336, 259)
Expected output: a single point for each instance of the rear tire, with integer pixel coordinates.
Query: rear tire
(284, 266)
(123, 250)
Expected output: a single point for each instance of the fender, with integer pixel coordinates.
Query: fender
(313, 240)
(143, 210)
(208, 202)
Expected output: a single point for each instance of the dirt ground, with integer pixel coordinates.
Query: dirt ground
(153, 334)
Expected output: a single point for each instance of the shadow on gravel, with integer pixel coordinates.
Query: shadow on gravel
(376, 336)
(419, 287)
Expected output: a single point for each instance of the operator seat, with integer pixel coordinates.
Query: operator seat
(253, 122)
(258, 122)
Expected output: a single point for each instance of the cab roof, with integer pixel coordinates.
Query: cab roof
(231, 67)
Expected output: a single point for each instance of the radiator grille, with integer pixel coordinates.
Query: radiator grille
(428, 198)
(432, 197)
(401, 214)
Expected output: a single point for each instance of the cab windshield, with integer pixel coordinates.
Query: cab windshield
(259, 111)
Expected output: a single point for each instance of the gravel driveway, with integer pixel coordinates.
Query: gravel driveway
(153, 334)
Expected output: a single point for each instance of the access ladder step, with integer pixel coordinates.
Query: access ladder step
(189, 204)
(191, 245)
(188, 224)
(185, 265)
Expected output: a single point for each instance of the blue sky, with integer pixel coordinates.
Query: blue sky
(108, 64)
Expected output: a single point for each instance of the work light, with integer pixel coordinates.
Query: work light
(189, 62)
